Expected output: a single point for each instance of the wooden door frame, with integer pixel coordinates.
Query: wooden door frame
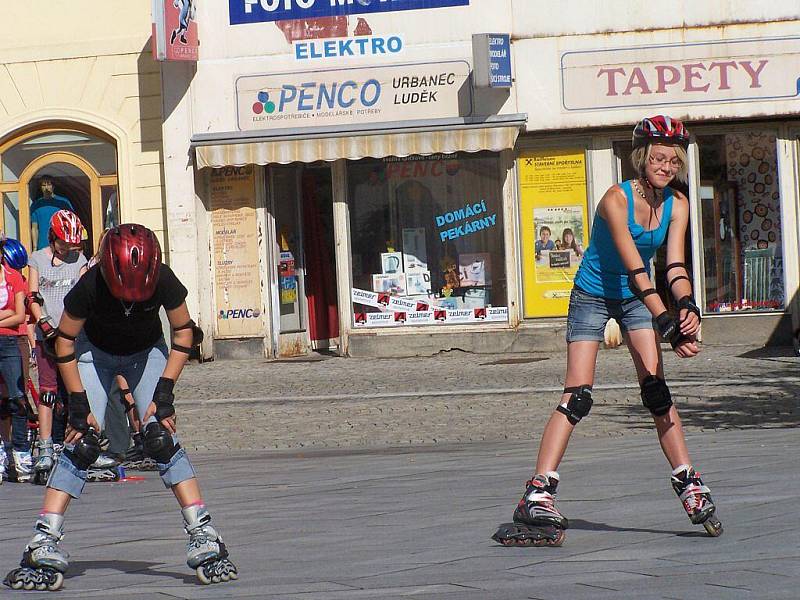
(95, 195)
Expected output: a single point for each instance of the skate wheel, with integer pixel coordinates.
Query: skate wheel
(713, 526)
(516, 534)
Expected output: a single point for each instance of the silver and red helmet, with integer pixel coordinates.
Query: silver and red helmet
(660, 129)
(66, 226)
(130, 261)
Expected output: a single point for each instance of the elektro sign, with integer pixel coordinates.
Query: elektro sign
(260, 11)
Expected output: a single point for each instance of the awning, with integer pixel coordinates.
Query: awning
(434, 136)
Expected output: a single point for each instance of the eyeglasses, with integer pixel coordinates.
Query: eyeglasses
(663, 161)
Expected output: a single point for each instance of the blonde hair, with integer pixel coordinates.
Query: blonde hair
(641, 155)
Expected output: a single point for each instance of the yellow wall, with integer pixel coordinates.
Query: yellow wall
(90, 62)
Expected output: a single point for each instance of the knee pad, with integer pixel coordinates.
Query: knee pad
(48, 399)
(158, 444)
(85, 451)
(578, 405)
(655, 395)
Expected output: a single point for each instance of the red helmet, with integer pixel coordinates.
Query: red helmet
(65, 225)
(130, 260)
(660, 130)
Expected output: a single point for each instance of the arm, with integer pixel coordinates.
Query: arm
(34, 233)
(80, 416)
(33, 288)
(18, 316)
(613, 208)
(183, 339)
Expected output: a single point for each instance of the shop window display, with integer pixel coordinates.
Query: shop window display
(427, 240)
(741, 222)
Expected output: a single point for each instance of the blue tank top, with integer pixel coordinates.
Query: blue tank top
(602, 273)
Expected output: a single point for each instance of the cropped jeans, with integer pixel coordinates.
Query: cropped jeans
(98, 370)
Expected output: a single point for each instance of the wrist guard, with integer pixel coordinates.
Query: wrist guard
(47, 327)
(669, 329)
(164, 399)
(79, 410)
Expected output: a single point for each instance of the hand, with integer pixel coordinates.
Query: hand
(687, 347)
(169, 423)
(72, 435)
(690, 322)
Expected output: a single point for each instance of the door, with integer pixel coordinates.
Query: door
(65, 165)
(305, 306)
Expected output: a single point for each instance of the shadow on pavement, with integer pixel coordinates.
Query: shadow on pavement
(591, 526)
(80, 567)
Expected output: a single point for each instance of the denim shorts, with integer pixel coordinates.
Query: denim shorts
(588, 315)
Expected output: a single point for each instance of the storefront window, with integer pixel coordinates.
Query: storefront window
(100, 153)
(427, 240)
(741, 222)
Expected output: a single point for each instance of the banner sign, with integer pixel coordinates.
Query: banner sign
(261, 11)
(398, 311)
(357, 95)
(237, 285)
(690, 73)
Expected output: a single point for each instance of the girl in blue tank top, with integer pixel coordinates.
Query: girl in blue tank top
(614, 281)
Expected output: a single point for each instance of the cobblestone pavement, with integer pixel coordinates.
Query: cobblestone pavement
(456, 397)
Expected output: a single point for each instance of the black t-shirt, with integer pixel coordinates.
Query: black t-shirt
(122, 328)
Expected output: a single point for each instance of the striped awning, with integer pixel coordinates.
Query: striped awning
(308, 145)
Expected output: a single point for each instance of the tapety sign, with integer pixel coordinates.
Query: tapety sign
(691, 73)
(260, 11)
(358, 95)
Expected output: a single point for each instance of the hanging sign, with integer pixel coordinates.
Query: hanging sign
(491, 60)
(174, 30)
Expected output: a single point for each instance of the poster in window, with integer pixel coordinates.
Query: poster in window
(554, 227)
(475, 269)
(415, 253)
(559, 244)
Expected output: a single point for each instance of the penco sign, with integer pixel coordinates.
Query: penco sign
(706, 72)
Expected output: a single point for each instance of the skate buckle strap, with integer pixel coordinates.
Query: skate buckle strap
(693, 490)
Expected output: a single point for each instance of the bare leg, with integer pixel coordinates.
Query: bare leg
(45, 422)
(55, 501)
(581, 359)
(646, 354)
(187, 492)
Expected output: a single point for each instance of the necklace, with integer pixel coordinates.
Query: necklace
(127, 309)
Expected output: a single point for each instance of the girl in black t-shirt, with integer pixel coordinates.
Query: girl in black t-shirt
(115, 309)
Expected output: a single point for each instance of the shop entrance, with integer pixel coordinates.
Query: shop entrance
(304, 304)
(45, 170)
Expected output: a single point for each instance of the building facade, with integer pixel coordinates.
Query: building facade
(80, 107)
(375, 177)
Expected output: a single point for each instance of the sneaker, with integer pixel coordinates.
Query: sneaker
(104, 461)
(537, 506)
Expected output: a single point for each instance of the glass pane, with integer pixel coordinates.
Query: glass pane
(11, 214)
(289, 251)
(110, 206)
(102, 155)
(58, 186)
(428, 229)
(740, 203)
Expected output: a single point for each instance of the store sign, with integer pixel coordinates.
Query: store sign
(366, 46)
(491, 57)
(234, 228)
(174, 30)
(260, 11)
(693, 73)
(359, 95)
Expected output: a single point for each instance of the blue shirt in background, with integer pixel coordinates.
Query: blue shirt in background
(42, 210)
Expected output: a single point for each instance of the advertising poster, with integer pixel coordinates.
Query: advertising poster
(554, 227)
(237, 286)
